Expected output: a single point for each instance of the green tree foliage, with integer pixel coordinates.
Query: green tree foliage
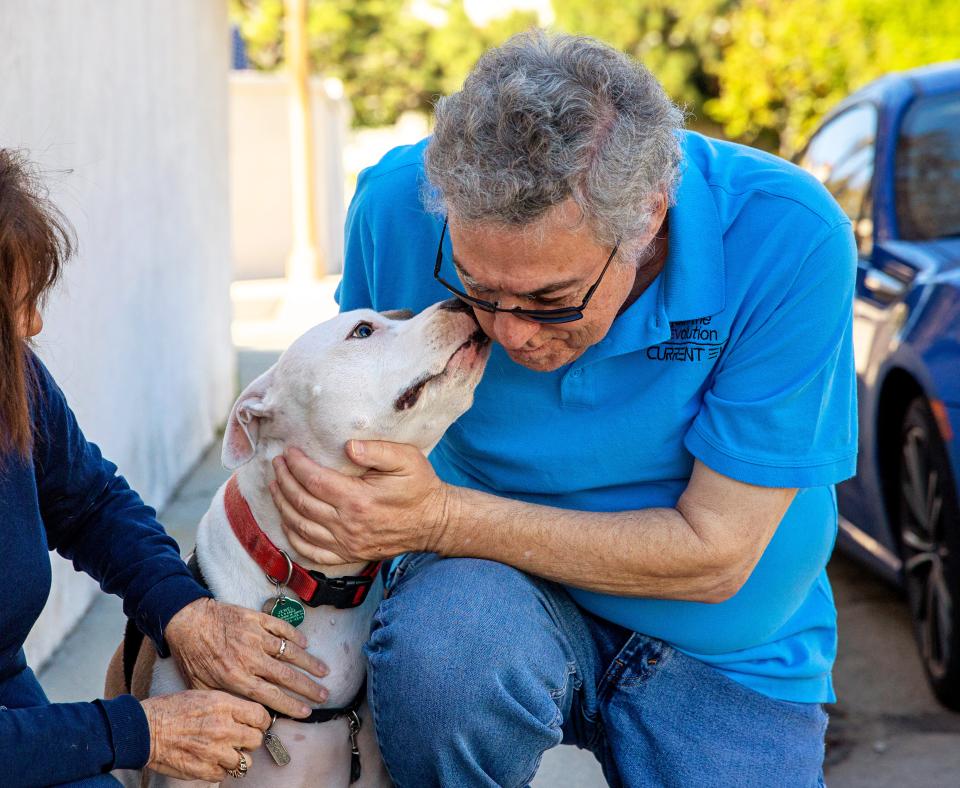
(784, 63)
(675, 39)
(764, 71)
(389, 60)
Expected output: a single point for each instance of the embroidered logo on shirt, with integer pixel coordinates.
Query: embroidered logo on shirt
(690, 340)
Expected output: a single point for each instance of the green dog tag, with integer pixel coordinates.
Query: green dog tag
(286, 609)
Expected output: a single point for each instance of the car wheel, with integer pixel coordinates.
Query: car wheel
(930, 546)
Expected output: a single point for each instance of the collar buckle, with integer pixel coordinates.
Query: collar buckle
(339, 592)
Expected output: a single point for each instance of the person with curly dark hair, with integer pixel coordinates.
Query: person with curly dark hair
(57, 492)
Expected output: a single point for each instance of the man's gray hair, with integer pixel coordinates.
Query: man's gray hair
(546, 117)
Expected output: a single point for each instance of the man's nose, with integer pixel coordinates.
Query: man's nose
(511, 331)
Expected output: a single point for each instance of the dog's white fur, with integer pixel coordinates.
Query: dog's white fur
(328, 387)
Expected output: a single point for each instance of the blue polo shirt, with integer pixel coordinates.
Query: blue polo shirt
(739, 354)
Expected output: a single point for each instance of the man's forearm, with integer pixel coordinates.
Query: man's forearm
(702, 549)
(647, 552)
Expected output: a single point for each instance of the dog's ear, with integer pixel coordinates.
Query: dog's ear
(243, 426)
(397, 314)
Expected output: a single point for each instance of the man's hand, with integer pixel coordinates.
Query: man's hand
(220, 646)
(399, 505)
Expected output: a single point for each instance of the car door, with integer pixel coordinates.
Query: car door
(842, 155)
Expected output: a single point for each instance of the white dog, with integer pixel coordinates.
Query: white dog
(360, 375)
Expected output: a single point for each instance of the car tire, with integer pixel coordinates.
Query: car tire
(929, 519)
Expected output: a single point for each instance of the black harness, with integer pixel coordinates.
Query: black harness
(133, 640)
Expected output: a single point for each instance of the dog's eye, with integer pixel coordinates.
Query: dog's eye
(362, 330)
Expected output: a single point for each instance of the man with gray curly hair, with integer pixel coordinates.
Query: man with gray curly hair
(622, 545)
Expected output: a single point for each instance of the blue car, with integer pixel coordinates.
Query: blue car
(890, 155)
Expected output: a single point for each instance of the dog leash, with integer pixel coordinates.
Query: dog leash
(350, 712)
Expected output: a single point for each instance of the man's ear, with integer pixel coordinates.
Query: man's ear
(243, 426)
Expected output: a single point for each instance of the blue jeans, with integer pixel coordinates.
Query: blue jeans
(476, 669)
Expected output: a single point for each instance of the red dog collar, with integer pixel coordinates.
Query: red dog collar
(313, 587)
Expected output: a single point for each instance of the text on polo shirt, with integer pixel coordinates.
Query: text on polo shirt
(690, 340)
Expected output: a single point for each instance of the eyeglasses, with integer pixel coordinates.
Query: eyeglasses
(565, 314)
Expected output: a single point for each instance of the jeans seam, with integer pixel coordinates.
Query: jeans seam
(611, 676)
(554, 724)
(399, 571)
(560, 692)
(371, 694)
(608, 763)
(636, 663)
(599, 737)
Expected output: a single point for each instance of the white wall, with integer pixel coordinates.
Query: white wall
(260, 172)
(124, 103)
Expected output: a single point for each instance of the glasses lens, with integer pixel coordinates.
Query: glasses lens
(564, 317)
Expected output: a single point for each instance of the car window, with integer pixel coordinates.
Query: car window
(927, 178)
(841, 156)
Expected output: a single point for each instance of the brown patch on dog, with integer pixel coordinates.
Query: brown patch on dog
(397, 314)
(115, 685)
(142, 673)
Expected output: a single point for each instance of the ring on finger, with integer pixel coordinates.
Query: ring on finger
(283, 648)
(241, 770)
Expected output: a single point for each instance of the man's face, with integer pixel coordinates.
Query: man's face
(547, 266)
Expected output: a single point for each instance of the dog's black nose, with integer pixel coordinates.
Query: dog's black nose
(455, 305)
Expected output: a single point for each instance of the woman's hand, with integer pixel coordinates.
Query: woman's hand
(196, 735)
(221, 646)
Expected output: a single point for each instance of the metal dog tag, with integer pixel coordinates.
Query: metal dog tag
(276, 749)
(286, 609)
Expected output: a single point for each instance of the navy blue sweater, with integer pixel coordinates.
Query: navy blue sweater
(68, 498)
